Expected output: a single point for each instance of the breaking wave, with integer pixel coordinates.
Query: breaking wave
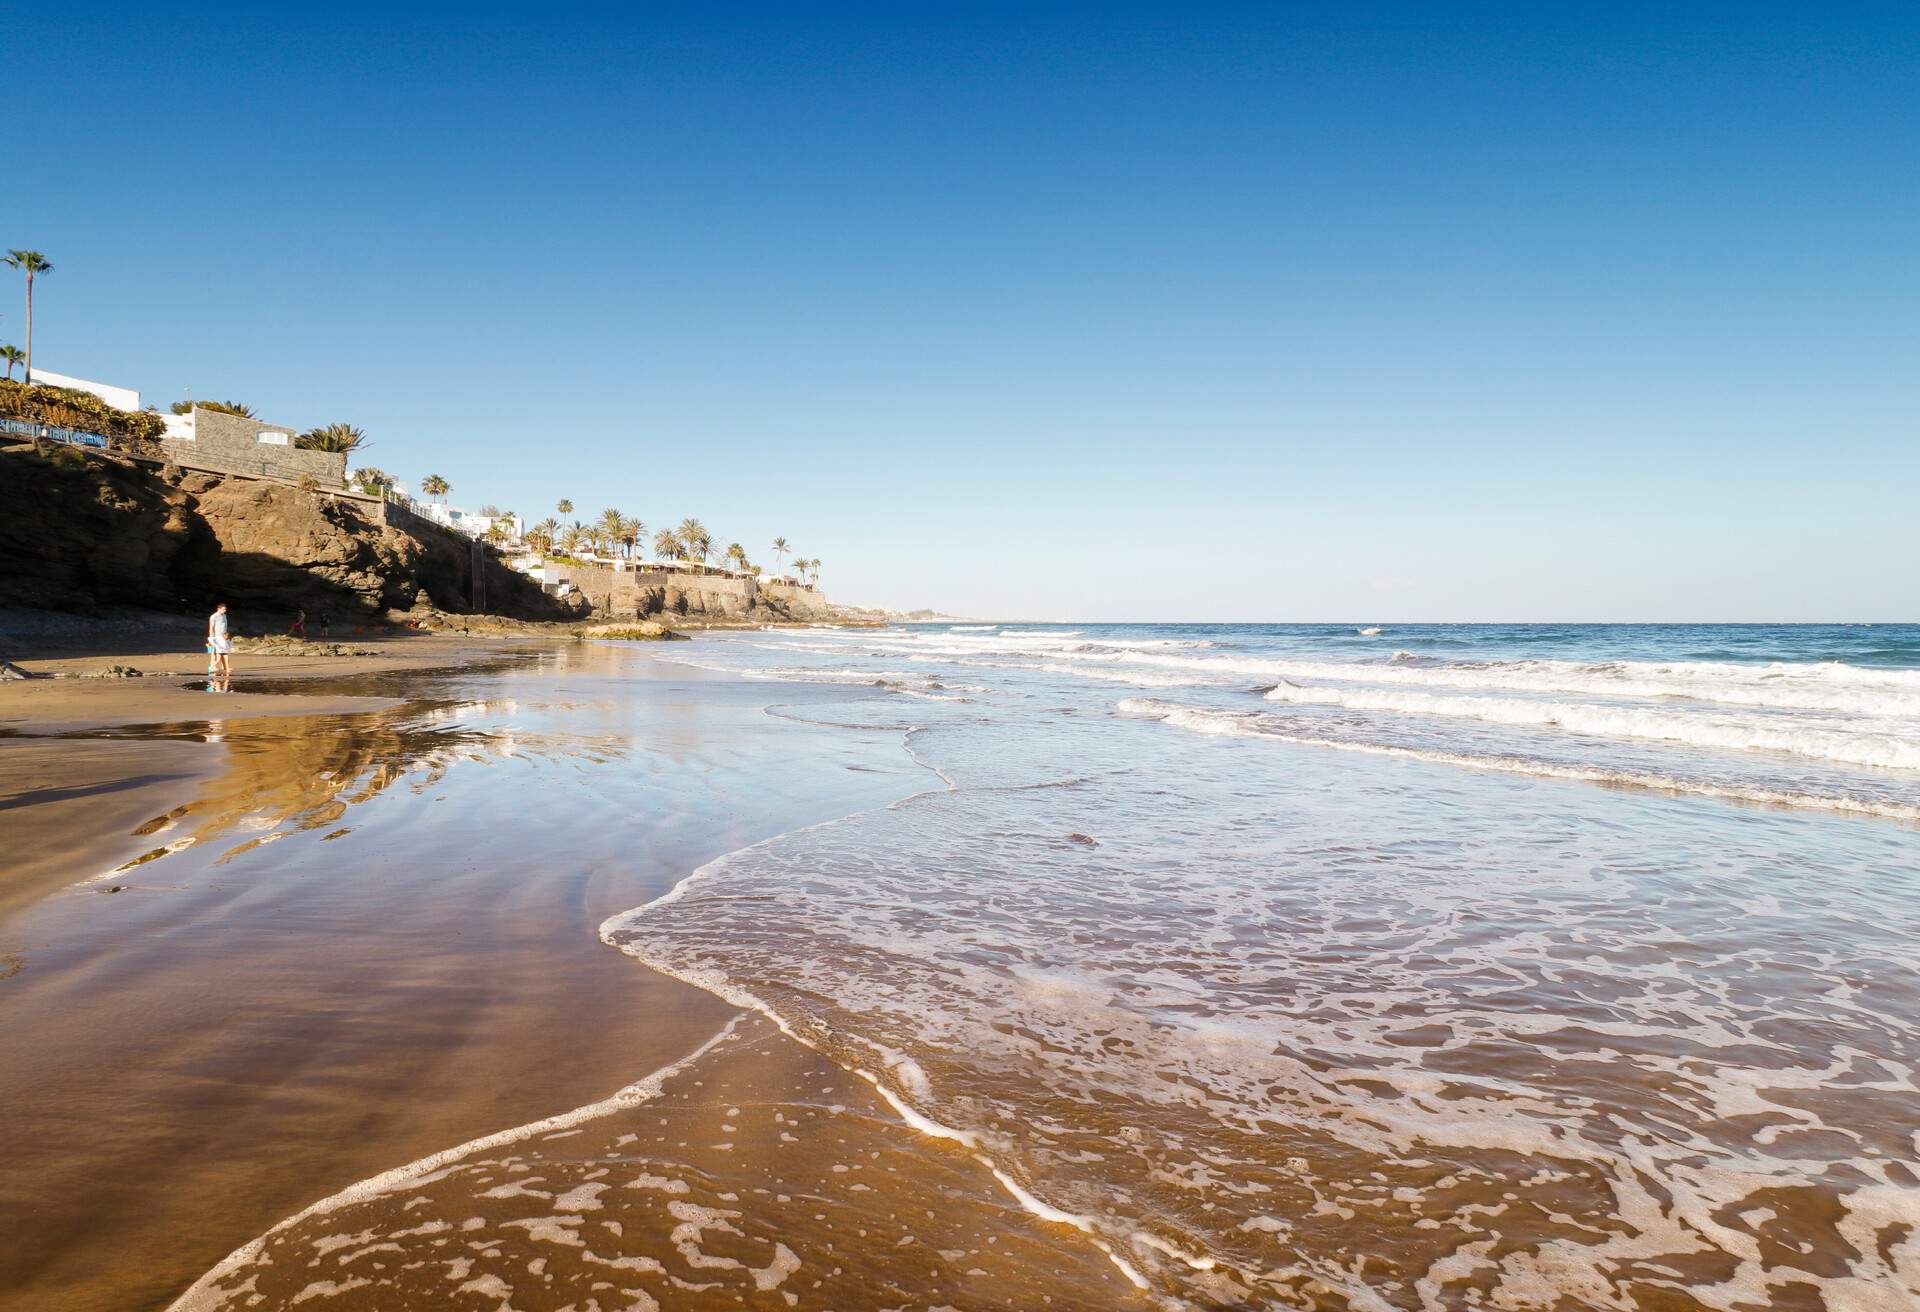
(1252, 724)
(1848, 744)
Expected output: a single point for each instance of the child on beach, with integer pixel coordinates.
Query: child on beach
(220, 642)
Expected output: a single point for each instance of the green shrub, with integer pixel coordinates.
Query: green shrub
(374, 482)
(239, 408)
(65, 407)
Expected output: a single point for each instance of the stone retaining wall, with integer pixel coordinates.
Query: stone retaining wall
(227, 444)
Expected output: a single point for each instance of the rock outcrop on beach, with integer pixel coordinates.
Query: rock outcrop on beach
(79, 534)
(638, 631)
(711, 598)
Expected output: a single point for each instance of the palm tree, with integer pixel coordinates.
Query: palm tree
(342, 438)
(13, 355)
(240, 408)
(737, 555)
(570, 541)
(435, 486)
(565, 507)
(780, 549)
(813, 568)
(374, 482)
(611, 524)
(695, 539)
(632, 533)
(32, 263)
(665, 543)
(543, 532)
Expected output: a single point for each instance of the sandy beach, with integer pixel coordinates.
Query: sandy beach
(832, 969)
(266, 945)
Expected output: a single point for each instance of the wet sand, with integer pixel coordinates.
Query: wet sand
(755, 1172)
(350, 933)
(74, 797)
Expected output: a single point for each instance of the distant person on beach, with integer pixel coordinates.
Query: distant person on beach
(326, 625)
(220, 642)
(299, 629)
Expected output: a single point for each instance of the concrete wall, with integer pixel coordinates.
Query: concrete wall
(403, 516)
(227, 444)
(121, 398)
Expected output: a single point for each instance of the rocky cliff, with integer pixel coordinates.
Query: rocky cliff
(78, 533)
(641, 594)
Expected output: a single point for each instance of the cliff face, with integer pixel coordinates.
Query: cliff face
(631, 594)
(75, 536)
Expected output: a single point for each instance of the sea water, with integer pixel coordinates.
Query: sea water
(1375, 965)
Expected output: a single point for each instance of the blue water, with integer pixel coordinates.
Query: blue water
(1439, 966)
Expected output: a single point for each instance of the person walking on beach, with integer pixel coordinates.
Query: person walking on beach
(299, 629)
(220, 642)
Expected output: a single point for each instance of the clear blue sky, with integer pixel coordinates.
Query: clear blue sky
(1285, 312)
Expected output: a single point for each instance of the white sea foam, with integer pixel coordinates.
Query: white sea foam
(1885, 745)
(1821, 686)
(1203, 720)
(1304, 1021)
(1875, 693)
(205, 1294)
(1138, 678)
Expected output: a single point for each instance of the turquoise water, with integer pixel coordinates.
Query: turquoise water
(1432, 966)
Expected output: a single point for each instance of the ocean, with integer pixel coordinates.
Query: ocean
(1373, 965)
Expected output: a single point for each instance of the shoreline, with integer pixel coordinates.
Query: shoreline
(993, 1189)
(427, 1091)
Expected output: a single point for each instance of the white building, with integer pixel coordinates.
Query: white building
(121, 398)
(465, 521)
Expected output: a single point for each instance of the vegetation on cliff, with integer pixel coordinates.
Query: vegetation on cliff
(65, 408)
(240, 409)
(342, 438)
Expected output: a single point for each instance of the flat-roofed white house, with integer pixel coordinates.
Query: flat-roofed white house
(120, 398)
(464, 521)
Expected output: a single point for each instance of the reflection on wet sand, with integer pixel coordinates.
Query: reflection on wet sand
(349, 949)
(303, 772)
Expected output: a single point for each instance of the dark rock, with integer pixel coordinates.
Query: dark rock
(115, 672)
(109, 533)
